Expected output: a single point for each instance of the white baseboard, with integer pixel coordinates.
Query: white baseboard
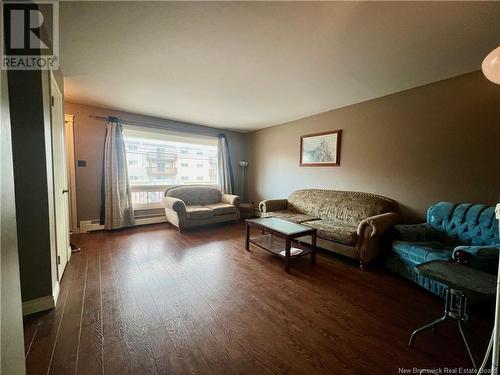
(41, 304)
(91, 225)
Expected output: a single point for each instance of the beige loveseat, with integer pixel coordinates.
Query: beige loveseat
(349, 223)
(189, 206)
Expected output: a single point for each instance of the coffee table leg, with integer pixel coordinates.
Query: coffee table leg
(287, 255)
(247, 237)
(313, 245)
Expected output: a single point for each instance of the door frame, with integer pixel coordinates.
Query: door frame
(69, 124)
(54, 88)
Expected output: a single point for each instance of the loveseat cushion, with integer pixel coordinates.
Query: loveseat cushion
(294, 217)
(334, 231)
(198, 212)
(221, 208)
(414, 253)
(195, 195)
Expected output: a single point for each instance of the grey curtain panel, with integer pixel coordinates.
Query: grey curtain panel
(118, 210)
(226, 178)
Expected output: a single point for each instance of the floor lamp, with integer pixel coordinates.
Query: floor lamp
(491, 70)
(243, 165)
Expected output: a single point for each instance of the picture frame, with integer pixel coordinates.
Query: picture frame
(320, 149)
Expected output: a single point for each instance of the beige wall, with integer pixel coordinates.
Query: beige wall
(89, 143)
(436, 142)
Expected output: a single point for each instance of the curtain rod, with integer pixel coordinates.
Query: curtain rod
(157, 126)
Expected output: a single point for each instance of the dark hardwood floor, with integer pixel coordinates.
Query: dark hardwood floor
(150, 300)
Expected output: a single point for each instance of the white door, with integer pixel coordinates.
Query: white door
(60, 180)
(70, 161)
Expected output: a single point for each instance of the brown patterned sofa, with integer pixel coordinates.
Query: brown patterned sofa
(349, 223)
(190, 206)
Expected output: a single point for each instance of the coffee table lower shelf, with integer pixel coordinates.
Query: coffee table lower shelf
(276, 245)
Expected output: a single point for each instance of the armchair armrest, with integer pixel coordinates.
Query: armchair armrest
(230, 199)
(174, 204)
(484, 258)
(378, 224)
(414, 232)
(270, 205)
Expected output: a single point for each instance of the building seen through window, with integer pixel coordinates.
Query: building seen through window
(160, 162)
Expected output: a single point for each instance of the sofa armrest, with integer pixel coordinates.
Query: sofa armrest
(414, 232)
(378, 224)
(484, 258)
(175, 204)
(270, 205)
(230, 199)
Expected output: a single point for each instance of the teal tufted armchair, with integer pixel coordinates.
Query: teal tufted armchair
(450, 227)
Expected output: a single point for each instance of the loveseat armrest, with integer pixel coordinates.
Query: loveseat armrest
(484, 258)
(378, 224)
(270, 205)
(175, 204)
(230, 199)
(414, 232)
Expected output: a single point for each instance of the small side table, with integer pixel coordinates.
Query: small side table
(462, 282)
(246, 210)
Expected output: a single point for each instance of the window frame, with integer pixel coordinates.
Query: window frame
(161, 135)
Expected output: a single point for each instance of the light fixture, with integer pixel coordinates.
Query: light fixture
(491, 66)
(243, 165)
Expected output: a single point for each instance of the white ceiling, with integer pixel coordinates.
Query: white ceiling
(249, 65)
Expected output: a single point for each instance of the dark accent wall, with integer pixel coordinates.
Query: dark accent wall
(12, 348)
(28, 114)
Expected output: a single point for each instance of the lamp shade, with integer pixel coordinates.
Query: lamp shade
(491, 66)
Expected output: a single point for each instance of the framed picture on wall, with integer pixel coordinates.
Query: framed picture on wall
(320, 149)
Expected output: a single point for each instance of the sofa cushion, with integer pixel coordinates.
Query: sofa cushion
(334, 231)
(348, 207)
(464, 223)
(414, 253)
(195, 195)
(294, 217)
(221, 208)
(198, 212)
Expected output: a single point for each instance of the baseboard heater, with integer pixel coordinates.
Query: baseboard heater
(92, 225)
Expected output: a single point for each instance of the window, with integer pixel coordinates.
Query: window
(156, 158)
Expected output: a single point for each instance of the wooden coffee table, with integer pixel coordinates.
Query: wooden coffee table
(277, 236)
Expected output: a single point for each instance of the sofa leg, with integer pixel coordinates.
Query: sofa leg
(362, 265)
